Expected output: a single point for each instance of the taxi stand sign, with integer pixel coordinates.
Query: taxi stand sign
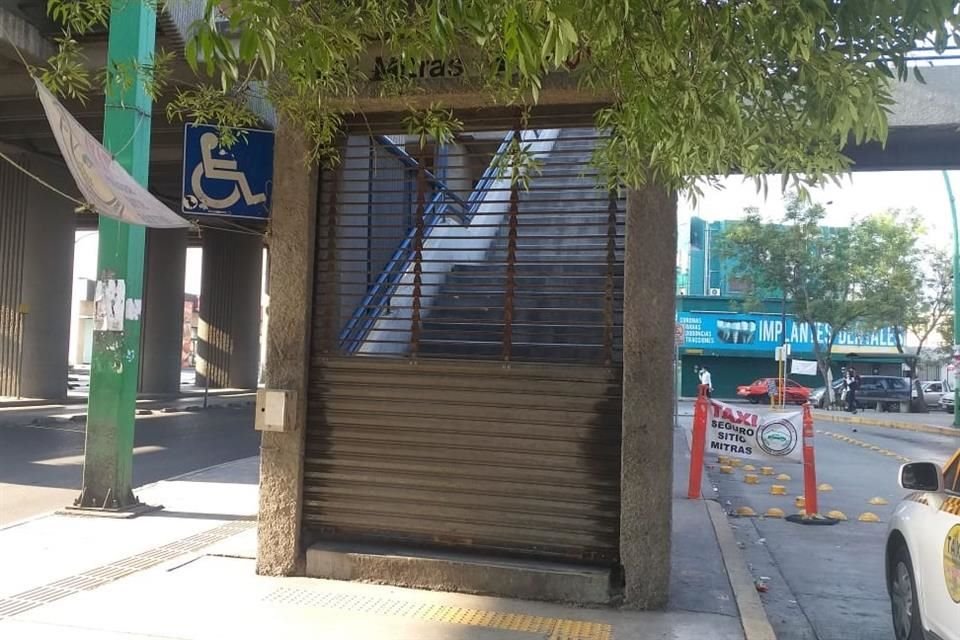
(235, 181)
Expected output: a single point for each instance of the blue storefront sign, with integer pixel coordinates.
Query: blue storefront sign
(733, 332)
(234, 181)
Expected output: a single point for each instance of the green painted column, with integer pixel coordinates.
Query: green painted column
(115, 367)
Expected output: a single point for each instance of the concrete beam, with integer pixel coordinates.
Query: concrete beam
(18, 34)
(933, 103)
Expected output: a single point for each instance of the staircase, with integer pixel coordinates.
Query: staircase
(561, 273)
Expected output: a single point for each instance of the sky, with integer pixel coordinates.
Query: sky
(860, 195)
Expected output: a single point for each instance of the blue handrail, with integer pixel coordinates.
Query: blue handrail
(373, 304)
(409, 161)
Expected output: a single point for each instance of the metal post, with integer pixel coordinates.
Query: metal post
(783, 350)
(956, 296)
(115, 368)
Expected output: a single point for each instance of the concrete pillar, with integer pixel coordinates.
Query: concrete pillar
(36, 275)
(163, 311)
(291, 247)
(646, 466)
(228, 350)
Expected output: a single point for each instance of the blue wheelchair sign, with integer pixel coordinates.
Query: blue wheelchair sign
(227, 182)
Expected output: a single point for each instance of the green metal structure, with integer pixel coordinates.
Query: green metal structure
(115, 368)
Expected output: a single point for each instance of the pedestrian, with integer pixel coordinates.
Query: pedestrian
(706, 381)
(852, 383)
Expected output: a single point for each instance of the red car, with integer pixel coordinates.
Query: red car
(758, 391)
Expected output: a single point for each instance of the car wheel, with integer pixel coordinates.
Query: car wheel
(754, 399)
(903, 598)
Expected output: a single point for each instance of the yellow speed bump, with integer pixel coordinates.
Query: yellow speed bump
(774, 512)
(745, 512)
(723, 460)
(725, 468)
(736, 462)
(825, 487)
(867, 516)
(751, 478)
(783, 477)
(837, 515)
(778, 490)
(749, 467)
(878, 501)
(800, 502)
(766, 471)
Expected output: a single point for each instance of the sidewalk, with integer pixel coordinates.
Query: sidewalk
(938, 422)
(187, 572)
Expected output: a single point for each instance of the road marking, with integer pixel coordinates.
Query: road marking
(865, 445)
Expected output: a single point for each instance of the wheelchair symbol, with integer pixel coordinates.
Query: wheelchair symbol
(212, 168)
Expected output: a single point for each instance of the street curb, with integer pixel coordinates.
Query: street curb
(753, 617)
(888, 424)
(141, 398)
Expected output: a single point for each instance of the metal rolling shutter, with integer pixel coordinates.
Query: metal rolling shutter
(478, 409)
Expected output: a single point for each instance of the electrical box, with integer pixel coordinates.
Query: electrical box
(274, 410)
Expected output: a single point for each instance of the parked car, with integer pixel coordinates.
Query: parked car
(818, 397)
(933, 390)
(946, 402)
(759, 390)
(923, 553)
(887, 392)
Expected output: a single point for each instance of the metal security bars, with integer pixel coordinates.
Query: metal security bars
(438, 252)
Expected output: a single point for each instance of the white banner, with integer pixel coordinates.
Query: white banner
(105, 185)
(803, 367)
(744, 433)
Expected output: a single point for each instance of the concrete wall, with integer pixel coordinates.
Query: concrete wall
(228, 350)
(162, 329)
(36, 272)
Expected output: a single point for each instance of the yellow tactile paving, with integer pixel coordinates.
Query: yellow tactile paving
(551, 628)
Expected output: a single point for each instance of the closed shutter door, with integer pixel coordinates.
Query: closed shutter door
(465, 383)
(523, 459)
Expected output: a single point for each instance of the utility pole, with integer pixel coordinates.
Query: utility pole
(956, 296)
(115, 367)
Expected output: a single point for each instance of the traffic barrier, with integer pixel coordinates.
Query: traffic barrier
(809, 463)
(699, 443)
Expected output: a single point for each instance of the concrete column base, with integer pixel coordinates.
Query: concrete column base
(418, 569)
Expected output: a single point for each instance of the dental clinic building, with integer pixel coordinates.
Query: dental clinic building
(737, 347)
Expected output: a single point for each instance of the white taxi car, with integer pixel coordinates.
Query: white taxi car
(923, 553)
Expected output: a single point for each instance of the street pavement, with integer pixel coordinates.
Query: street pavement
(41, 449)
(826, 582)
(188, 572)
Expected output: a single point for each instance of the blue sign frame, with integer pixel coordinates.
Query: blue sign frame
(235, 181)
(740, 332)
